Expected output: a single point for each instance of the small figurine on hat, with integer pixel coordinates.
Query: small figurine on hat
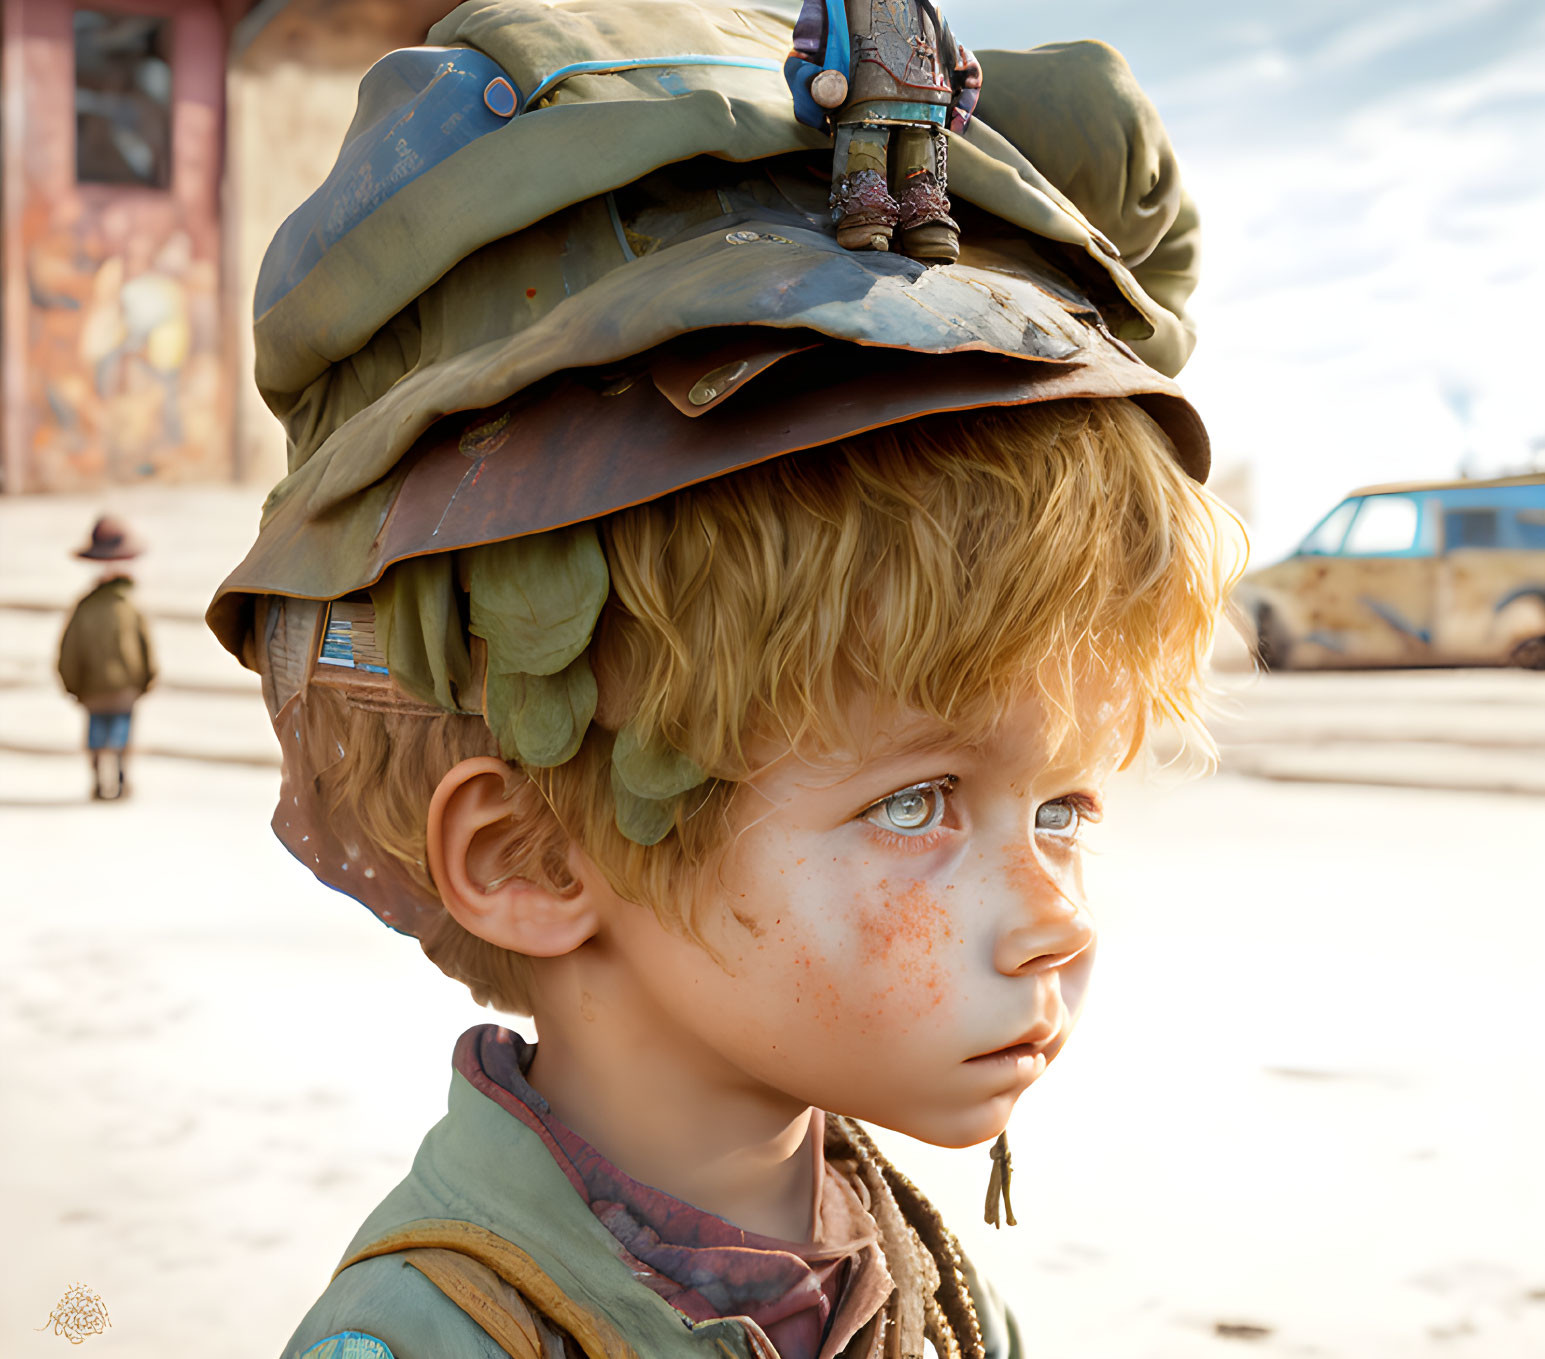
(105, 657)
(888, 77)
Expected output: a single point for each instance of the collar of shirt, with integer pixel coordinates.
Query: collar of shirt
(810, 1298)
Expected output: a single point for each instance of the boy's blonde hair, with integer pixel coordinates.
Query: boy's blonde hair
(936, 567)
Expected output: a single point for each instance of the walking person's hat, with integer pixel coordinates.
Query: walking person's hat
(111, 541)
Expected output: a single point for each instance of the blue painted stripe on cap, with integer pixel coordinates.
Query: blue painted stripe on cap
(611, 66)
(838, 49)
(417, 107)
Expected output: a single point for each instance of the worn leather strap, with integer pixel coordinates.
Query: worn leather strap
(484, 1296)
(430, 1244)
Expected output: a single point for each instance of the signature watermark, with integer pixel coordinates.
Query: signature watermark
(79, 1313)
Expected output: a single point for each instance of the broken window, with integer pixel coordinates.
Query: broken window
(123, 99)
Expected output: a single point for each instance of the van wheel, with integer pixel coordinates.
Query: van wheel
(1271, 644)
(1529, 655)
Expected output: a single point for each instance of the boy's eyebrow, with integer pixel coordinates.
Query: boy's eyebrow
(932, 740)
(928, 743)
(912, 747)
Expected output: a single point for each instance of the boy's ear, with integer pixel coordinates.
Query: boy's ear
(466, 816)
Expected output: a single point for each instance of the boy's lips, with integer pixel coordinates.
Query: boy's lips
(1033, 1044)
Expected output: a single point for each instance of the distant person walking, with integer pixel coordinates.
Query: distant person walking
(105, 658)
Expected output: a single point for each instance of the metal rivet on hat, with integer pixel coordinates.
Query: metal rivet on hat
(742, 238)
(499, 95)
(712, 384)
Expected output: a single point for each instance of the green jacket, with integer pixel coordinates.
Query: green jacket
(483, 1167)
(105, 657)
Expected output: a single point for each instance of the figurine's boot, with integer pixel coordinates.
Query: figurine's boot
(98, 791)
(862, 205)
(927, 230)
(864, 211)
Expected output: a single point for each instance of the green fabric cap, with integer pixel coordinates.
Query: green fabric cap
(441, 281)
(593, 227)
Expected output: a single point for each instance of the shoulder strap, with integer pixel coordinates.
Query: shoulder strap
(484, 1297)
(498, 1285)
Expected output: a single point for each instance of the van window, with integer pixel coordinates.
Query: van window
(1470, 528)
(1385, 524)
(1529, 529)
(1325, 538)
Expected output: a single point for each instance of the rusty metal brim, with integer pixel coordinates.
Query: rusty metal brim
(584, 444)
(749, 343)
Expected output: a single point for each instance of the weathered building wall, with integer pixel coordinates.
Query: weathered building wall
(113, 329)
(126, 311)
(292, 91)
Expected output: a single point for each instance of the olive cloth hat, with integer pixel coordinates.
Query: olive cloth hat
(576, 255)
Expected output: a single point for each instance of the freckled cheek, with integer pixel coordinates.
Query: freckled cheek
(905, 952)
(878, 958)
(1024, 873)
(816, 986)
(1035, 880)
(799, 956)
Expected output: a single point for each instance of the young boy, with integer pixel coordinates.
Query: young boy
(727, 685)
(105, 659)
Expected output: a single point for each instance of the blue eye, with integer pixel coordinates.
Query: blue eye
(912, 811)
(1060, 819)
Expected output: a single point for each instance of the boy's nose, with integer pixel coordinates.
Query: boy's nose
(1048, 928)
(1044, 943)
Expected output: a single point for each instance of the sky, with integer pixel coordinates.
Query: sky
(1371, 182)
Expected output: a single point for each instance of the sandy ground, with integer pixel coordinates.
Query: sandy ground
(1302, 1115)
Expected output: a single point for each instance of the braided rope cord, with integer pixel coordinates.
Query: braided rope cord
(954, 1310)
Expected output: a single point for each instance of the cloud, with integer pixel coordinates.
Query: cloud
(1373, 35)
(1372, 188)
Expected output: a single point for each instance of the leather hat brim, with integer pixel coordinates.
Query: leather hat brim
(832, 344)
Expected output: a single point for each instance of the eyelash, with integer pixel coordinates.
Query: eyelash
(925, 838)
(1085, 812)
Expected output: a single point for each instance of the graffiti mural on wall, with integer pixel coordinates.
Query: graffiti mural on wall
(114, 357)
(124, 350)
